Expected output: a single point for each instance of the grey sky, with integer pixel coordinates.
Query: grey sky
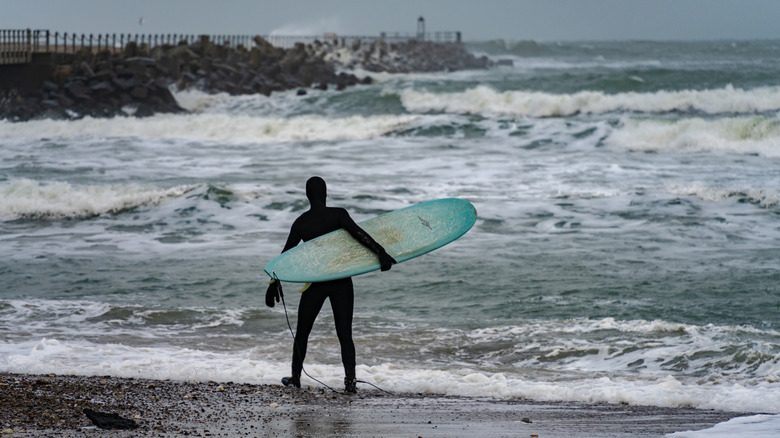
(542, 20)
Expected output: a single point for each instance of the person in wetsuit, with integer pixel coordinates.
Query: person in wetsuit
(315, 222)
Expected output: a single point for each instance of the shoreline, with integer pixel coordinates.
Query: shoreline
(52, 405)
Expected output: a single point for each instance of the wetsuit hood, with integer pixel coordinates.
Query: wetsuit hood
(316, 191)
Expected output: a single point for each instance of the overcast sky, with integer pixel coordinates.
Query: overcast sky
(541, 20)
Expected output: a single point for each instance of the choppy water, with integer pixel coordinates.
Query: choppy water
(627, 247)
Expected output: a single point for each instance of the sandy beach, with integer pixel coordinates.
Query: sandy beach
(52, 405)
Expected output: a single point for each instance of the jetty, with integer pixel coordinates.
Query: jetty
(46, 74)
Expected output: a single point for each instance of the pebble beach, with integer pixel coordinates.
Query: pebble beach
(52, 406)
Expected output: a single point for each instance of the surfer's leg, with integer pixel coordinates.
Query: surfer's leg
(310, 305)
(342, 300)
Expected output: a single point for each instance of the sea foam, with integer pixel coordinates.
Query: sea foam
(754, 426)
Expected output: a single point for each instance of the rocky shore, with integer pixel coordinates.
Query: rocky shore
(137, 80)
(54, 405)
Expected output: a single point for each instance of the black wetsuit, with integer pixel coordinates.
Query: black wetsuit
(320, 220)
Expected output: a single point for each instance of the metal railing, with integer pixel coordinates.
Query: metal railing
(17, 46)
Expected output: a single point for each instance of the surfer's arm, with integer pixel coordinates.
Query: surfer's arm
(385, 260)
(292, 239)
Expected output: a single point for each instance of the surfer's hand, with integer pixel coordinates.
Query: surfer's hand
(385, 261)
(272, 293)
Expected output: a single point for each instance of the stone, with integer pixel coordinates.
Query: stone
(103, 87)
(140, 93)
(50, 103)
(77, 90)
(124, 84)
(110, 421)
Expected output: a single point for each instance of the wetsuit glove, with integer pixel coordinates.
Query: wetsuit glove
(273, 293)
(385, 261)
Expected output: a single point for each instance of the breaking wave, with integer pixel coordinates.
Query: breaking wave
(210, 127)
(25, 198)
(487, 101)
(742, 135)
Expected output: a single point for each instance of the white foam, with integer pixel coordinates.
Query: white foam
(485, 100)
(755, 426)
(25, 198)
(768, 197)
(87, 359)
(257, 366)
(210, 127)
(743, 135)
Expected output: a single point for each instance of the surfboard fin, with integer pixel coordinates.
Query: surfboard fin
(306, 286)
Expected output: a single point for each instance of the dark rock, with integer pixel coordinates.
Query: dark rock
(49, 86)
(63, 100)
(143, 110)
(86, 70)
(77, 90)
(124, 84)
(140, 93)
(301, 92)
(109, 421)
(103, 87)
(146, 62)
(125, 99)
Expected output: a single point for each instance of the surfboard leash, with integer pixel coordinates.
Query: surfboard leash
(289, 326)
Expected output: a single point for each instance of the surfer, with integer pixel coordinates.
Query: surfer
(315, 222)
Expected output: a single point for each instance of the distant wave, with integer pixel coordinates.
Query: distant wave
(742, 135)
(25, 198)
(762, 197)
(208, 127)
(485, 100)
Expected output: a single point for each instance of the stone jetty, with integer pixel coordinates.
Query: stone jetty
(137, 80)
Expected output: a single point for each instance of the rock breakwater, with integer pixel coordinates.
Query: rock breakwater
(137, 80)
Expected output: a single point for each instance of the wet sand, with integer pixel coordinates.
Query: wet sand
(52, 405)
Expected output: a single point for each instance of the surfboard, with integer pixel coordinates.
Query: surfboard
(405, 234)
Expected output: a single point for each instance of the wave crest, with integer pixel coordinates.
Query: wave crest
(743, 135)
(485, 100)
(28, 199)
(209, 127)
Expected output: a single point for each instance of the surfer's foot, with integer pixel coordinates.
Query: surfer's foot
(350, 385)
(292, 381)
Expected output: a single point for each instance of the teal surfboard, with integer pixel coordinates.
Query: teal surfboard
(405, 234)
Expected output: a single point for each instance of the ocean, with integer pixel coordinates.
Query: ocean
(627, 248)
